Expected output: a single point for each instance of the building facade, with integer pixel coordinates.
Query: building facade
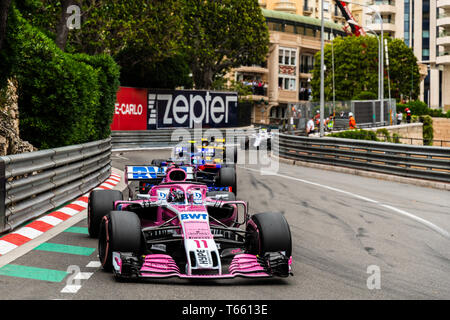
(424, 25)
(285, 78)
(312, 8)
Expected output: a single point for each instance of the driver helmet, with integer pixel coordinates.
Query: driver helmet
(176, 196)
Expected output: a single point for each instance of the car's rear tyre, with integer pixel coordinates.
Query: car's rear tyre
(272, 234)
(227, 178)
(100, 203)
(232, 158)
(119, 231)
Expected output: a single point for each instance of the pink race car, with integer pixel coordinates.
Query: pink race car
(180, 230)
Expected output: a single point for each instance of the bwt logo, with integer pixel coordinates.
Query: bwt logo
(194, 216)
(193, 108)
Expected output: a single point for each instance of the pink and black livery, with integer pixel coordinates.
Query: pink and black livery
(179, 229)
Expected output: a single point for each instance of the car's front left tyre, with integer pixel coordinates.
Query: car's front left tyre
(120, 231)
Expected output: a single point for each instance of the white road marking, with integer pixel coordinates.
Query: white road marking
(73, 288)
(426, 223)
(94, 264)
(121, 157)
(83, 275)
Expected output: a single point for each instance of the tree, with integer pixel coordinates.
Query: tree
(4, 10)
(223, 34)
(62, 30)
(356, 69)
(108, 26)
(169, 73)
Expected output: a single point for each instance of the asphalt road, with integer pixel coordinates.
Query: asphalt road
(343, 227)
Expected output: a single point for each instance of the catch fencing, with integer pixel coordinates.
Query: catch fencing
(368, 113)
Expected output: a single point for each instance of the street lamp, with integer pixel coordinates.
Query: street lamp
(322, 73)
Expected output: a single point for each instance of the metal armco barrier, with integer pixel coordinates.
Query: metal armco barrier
(166, 137)
(422, 162)
(34, 183)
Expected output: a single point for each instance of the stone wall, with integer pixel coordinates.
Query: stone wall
(412, 133)
(441, 131)
(10, 142)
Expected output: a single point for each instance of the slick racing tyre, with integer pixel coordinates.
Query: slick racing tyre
(231, 158)
(100, 203)
(227, 178)
(120, 231)
(272, 234)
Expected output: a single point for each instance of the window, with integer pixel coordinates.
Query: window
(306, 63)
(287, 83)
(289, 28)
(287, 57)
(273, 26)
(309, 32)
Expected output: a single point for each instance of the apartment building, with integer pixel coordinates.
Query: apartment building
(285, 78)
(424, 25)
(312, 8)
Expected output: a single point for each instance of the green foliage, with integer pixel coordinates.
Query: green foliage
(234, 86)
(220, 35)
(365, 95)
(60, 98)
(428, 134)
(420, 108)
(359, 134)
(356, 69)
(417, 107)
(144, 37)
(170, 73)
(384, 132)
(108, 79)
(395, 138)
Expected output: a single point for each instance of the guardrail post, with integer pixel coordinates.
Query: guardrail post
(2, 195)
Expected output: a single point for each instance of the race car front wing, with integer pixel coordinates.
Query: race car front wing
(127, 266)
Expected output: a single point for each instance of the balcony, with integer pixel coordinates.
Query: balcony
(388, 27)
(286, 6)
(383, 9)
(308, 10)
(443, 57)
(443, 19)
(253, 69)
(443, 4)
(306, 69)
(443, 39)
(338, 16)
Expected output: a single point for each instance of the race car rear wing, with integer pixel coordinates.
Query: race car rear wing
(152, 174)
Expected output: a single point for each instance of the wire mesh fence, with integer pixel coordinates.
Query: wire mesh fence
(368, 113)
